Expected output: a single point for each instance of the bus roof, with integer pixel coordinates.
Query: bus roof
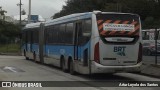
(71, 17)
(78, 16)
(67, 18)
(32, 25)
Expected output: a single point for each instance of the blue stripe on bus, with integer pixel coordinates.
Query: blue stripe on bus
(59, 49)
(35, 47)
(65, 50)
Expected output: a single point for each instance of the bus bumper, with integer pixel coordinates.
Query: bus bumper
(98, 68)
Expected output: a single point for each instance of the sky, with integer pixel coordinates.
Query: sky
(45, 8)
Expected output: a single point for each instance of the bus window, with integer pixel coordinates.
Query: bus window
(69, 33)
(124, 26)
(29, 37)
(87, 30)
(56, 34)
(84, 32)
(35, 36)
(23, 38)
(46, 35)
(49, 31)
(62, 33)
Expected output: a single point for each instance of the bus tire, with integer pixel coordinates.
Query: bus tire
(27, 58)
(34, 56)
(24, 52)
(63, 65)
(71, 68)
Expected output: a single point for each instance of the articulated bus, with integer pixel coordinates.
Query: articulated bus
(87, 43)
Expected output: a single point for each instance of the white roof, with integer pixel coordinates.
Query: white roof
(33, 25)
(85, 14)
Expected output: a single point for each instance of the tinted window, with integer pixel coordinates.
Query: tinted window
(62, 33)
(69, 33)
(29, 36)
(55, 34)
(87, 30)
(23, 37)
(84, 32)
(49, 31)
(35, 36)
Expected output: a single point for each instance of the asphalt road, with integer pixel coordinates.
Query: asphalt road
(15, 68)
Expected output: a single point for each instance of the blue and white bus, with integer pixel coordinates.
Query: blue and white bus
(87, 43)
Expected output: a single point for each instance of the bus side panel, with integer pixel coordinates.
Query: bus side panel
(54, 52)
(36, 50)
(28, 51)
(82, 64)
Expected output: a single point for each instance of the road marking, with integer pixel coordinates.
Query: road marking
(9, 68)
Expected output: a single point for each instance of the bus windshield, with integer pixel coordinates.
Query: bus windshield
(118, 25)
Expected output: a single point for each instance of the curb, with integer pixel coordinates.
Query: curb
(150, 75)
(11, 54)
(150, 70)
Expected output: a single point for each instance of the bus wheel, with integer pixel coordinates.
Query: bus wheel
(24, 52)
(63, 65)
(71, 68)
(27, 58)
(34, 56)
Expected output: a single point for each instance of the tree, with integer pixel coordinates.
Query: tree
(8, 32)
(144, 8)
(23, 12)
(2, 12)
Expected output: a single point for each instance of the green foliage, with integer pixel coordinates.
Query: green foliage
(8, 32)
(23, 12)
(149, 10)
(9, 48)
(2, 12)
